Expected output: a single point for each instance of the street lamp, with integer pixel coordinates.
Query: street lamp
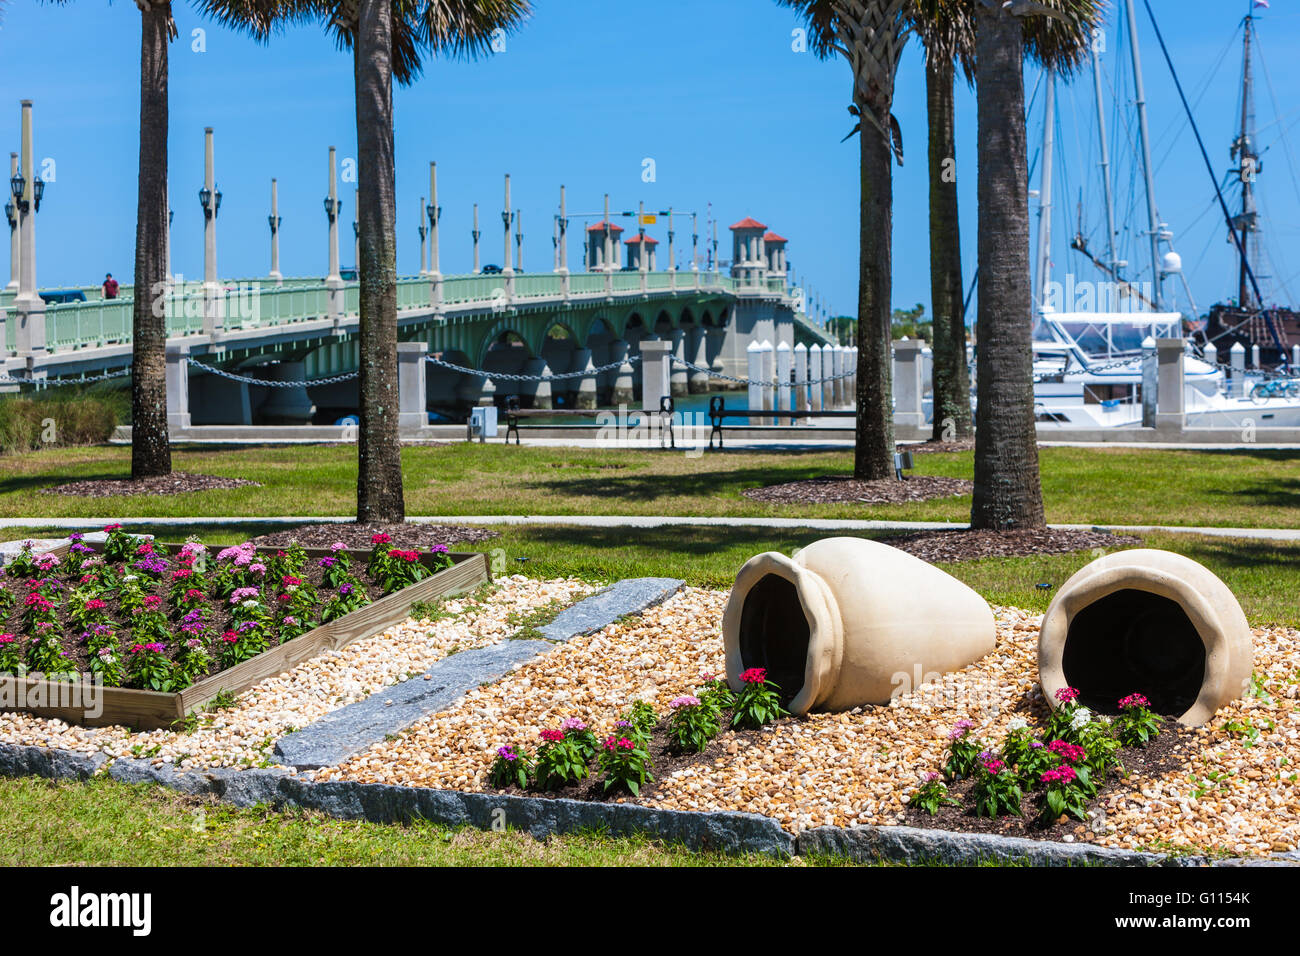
(11, 214)
(434, 213)
(274, 223)
(332, 208)
(18, 186)
(206, 199)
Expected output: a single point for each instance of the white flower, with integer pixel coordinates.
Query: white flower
(1017, 723)
(250, 603)
(131, 577)
(1082, 715)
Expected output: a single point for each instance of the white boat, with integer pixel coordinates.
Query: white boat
(1089, 373)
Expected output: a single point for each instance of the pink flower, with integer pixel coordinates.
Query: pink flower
(380, 538)
(686, 700)
(574, 723)
(960, 729)
(1067, 695)
(1133, 700)
(755, 675)
(994, 766)
(1070, 753)
(552, 736)
(1063, 774)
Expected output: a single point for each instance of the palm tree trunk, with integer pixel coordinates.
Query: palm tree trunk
(379, 452)
(1008, 493)
(150, 448)
(951, 379)
(873, 453)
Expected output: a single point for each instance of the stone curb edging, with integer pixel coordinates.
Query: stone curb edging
(719, 831)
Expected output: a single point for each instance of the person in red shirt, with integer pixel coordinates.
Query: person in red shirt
(110, 286)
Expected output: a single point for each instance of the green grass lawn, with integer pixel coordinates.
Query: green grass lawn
(1093, 485)
(1264, 575)
(104, 823)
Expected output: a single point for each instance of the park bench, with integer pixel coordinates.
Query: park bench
(513, 413)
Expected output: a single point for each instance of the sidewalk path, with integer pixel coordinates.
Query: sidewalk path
(642, 521)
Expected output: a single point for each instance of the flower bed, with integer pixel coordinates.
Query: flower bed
(151, 631)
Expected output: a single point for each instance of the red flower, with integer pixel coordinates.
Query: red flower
(380, 538)
(755, 675)
(405, 555)
(181, 574)
(552, 736)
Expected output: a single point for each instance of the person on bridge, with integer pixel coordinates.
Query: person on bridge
(110, 286)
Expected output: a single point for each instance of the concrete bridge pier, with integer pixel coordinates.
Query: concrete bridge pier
(677, 378)
(698, 382)
(584, 392)
(540, 392)
(219, 401)
(285, 406)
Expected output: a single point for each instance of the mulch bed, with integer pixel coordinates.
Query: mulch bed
(937, 447)
(664, 761)
(942, 546)
(357, 536)
(177, 483)
(1170, 750)
(830, 489)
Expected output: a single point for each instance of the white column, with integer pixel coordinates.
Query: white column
(334, 281)
(828, 370)
(519, 240)
(754, 372)
(15, 247)
(1295, 358)
(1254, 356)
(677, 379)
(801, 377)
(1237, 359)
(784, 365)
(1170, 408)
(908, 387)
(275, 235)
(564, 241)
(506, 217)
(655, 365)
(697, 382)
(28, 306)
(769, 374)
(814, 374)
(672, 258)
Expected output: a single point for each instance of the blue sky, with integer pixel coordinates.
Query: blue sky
(711, 90)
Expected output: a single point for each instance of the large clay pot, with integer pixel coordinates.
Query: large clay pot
(849, 621)
(1149, 622)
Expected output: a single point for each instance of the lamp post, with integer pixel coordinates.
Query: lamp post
(273, 221)
(333, 281)
(672, 262)
(434, 213)
(11, 214)
(507, 218)
(27, 188)
(475, 233)
(423, 231)
(210, 200)
(519, 240)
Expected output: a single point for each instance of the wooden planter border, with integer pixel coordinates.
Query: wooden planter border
(150, 710)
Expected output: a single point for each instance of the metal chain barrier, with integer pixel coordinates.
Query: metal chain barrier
(512, 377)
(56, 382)
(247, 380)
(749, 381)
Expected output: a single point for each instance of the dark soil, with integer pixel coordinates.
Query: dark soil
(966, 545)
(357, 536)
(177, 483)
(664, 761)
(831, 489)
(1168, 751)
(937, 447)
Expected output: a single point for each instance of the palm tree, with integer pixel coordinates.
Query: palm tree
(1008, 491)
(387, 38)
(151, 453)
(947, 32)
(870, 34)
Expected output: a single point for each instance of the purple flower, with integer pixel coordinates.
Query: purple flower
(345, 589)
(327, 562)
(574, 723)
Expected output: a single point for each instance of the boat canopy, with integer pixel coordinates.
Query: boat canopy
(1103, 334)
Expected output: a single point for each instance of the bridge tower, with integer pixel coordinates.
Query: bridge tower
(596, 245)
(747, 252)
(775, 246)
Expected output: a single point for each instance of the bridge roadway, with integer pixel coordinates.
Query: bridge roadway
(303, 330)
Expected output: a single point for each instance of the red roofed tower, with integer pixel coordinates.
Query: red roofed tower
(747, 254)
(596, 245)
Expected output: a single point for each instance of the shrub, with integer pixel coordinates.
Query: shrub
(963, 751)
(640, 721)
(625, 763)
(510, 768)
(559, 760)
(1064, 795)
(996, 791)
(59, 418)
(1136, 724)
(691, 724)
(931, 795)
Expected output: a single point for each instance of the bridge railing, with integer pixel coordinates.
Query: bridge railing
(537, 285)
(585, 283)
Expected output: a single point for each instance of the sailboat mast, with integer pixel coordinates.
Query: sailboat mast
(1144, 137)
(1045, 194)
(1247, 168)
(1105, 168)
